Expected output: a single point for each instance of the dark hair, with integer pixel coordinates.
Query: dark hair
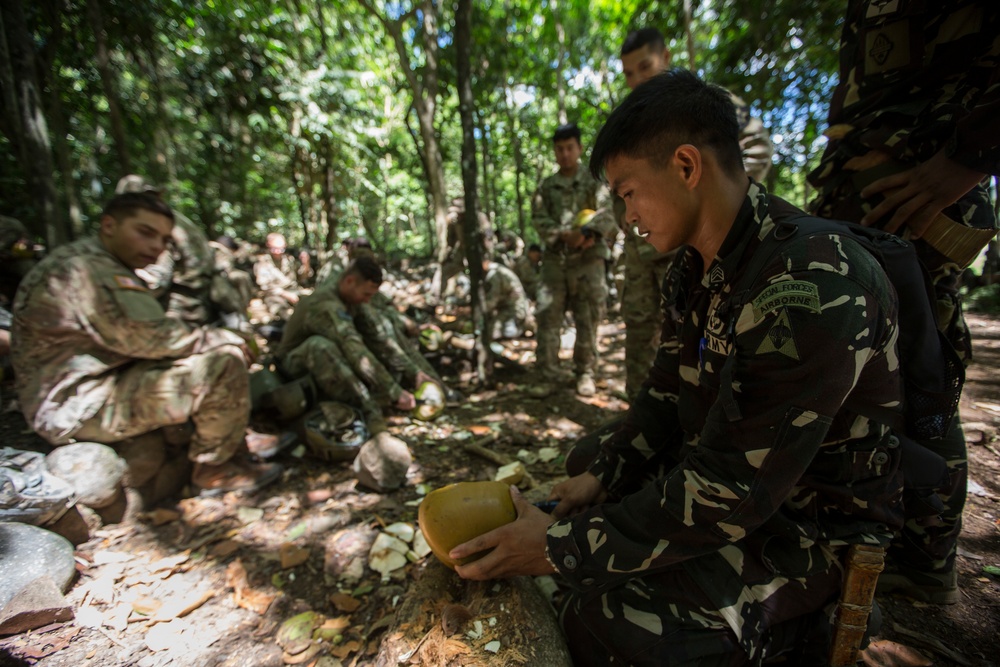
(534, 247)
(366, 268)
(126, 204)
(227, 242)
(567, 131)
(637, 39)
(670, 109)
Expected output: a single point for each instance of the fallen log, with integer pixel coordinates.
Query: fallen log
(450, 622)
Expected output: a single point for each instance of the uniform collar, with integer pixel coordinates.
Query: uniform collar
(752, 222)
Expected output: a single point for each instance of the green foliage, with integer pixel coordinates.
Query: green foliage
(299, 116)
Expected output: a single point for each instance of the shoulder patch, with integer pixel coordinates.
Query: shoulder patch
(128, 282)
(780, 338)
(786, 294)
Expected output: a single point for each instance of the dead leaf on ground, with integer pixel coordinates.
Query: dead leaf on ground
(344, 602)
(243, 595)
(224, 548)
(479, 429)
(183, 606)
(343, 650)
(886, 653)
(292, 555)
(161, 515)
(146, 606)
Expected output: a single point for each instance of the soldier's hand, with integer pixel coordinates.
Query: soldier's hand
(918, 195)
(518, 548)
(291, 297)
(405, 401)
(423, 377)
(577, 494)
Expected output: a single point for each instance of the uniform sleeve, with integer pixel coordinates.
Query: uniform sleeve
(379, 331)
(328, 320)
(793, 368)
(548, 227)
(127, 320)
(976, 142)
(604, 222)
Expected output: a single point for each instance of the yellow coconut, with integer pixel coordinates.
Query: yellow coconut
(456, 513)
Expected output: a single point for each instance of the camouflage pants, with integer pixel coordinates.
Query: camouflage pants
(682, 615)
(324, 359)
(211, 389)
(930, 550)
(641, 313)
(578, 285)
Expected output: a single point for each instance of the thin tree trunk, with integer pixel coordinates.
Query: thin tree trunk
(560, 64)
(103, 62)
(515, 140)
(62, 159)
(32, 138)
(471, 230)
(689, 31)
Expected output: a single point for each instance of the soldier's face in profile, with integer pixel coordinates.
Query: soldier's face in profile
(642, 64)
(354, 290)
(137, 240)
(658, 201)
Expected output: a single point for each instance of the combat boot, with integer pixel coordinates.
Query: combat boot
(935, 588)
(233, 475)
(585, 385)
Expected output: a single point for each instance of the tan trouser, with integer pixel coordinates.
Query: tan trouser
(211, 389)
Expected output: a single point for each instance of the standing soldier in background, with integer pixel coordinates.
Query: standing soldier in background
(914, 132)
(573, 263)
(644, 54)
(224, 249)
(275, 274)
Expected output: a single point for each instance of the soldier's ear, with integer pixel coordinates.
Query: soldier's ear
(108, 224)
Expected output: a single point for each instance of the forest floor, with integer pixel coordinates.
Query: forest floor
(203, 582)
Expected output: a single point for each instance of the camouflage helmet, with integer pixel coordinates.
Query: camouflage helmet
(334, 431)
(291, 399)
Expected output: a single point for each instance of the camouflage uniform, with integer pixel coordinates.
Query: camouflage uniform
(98, 359)
(572, 279)
(896, 107)
(385, 333)
(507, 302)
(186, 280)
(737, 498)
(16, 257)
(645, 267)
(239, 280)
(273, 278)
(321, 339)
(528, 274)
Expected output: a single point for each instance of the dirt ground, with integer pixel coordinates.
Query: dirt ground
(203, 582)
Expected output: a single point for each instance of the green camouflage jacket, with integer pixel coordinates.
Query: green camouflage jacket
(556, 203)
(79, 316)
(795, 476)
(323, 313)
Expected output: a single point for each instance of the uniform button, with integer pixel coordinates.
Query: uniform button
(570, 562)
(881, 458)
(589, 581)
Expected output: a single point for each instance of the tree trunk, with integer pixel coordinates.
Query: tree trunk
(560, 64)
(522, 621)
(27, 122)
(329, 201)
(515, 139)
(472, 232)
(689, 32)
(62, 158)
(423, 84)
(103, 62)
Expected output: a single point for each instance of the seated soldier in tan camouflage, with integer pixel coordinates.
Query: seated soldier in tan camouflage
(322, 338)
(98, 359)
(276, 275)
